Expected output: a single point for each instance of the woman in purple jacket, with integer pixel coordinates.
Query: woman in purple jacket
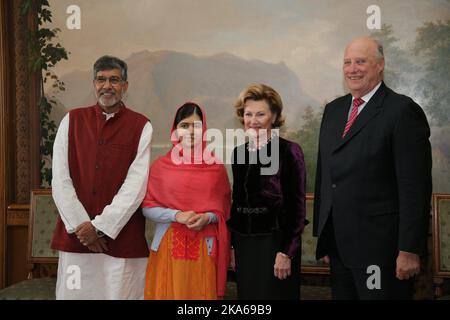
(268, 212)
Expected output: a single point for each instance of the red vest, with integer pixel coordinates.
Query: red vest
(100, 153)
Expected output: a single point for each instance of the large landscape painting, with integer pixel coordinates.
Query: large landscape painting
(207, 51)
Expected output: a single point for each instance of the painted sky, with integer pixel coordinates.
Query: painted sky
(309, 36)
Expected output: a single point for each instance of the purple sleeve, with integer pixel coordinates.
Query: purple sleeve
(293, 179)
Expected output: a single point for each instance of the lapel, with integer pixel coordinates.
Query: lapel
(337, 122)
(372, 108)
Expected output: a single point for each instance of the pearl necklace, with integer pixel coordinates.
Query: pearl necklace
(251, 145)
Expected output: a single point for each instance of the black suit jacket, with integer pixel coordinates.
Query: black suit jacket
(376, 181)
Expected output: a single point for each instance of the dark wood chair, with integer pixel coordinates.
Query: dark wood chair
(309, 243)
(41, 259)
(441, 245)
(315, 274)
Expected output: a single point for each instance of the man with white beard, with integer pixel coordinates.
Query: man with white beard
(100, 167)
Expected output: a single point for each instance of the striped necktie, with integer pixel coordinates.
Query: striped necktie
(356, 103)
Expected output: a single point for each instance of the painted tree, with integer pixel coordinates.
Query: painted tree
(398, 69)
(307, 137)
(45, 53)
(433, 44)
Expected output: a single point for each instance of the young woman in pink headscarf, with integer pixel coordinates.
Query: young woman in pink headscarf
(188, 196)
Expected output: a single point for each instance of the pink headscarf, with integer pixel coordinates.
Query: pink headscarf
(201, 187)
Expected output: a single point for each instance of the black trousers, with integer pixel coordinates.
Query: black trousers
(360, 283)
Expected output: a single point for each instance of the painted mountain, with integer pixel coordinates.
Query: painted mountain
(161, 81)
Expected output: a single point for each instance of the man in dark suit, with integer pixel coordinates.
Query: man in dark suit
(373, 183)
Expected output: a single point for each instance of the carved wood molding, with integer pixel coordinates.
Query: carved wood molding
(22, 112)
(26, 94)
(6, 126)
(18, 215)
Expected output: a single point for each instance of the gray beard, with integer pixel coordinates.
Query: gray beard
(105, 102)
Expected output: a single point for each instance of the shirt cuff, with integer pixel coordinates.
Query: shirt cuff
(212, 217)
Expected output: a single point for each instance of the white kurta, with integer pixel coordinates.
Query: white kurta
(97, 275)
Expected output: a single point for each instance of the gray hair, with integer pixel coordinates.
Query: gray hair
(380, 50)
(109, 63)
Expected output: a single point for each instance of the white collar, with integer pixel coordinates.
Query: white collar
(109, 115)
(369, 95)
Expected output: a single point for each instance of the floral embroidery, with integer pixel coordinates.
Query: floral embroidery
(184, 246)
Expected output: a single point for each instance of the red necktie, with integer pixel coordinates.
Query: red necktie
(356, 103)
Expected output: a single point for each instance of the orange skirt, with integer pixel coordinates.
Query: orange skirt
(180, 279)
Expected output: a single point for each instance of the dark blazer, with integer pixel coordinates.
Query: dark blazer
(263, 204)
(376, 181)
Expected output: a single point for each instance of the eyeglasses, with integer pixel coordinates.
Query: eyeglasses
(114, 81)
